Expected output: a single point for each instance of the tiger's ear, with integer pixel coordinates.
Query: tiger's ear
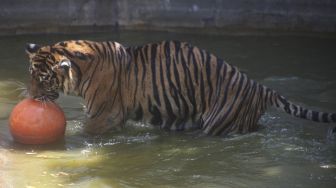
(31, 49)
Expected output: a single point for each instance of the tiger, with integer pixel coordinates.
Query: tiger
(172, 85)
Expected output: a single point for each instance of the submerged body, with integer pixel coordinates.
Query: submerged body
(170, 84)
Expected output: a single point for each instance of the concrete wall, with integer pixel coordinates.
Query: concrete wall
(36, 16)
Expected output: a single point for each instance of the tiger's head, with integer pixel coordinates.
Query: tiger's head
(53, 68)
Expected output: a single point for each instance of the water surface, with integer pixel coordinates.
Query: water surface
(284, 152)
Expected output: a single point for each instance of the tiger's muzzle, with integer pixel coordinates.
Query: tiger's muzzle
(41, 91)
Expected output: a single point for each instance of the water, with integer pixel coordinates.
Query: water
(285, 152)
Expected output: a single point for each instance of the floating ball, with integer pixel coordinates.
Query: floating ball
(36, 122)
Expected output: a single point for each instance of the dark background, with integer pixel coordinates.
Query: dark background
(211, 16)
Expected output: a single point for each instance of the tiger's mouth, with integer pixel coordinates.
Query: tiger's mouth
(47, 96)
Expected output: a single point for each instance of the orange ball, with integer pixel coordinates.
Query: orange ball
(36, 122)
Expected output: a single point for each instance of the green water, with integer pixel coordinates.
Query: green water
(285, 152)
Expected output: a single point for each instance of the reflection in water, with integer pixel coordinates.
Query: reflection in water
(285, 152)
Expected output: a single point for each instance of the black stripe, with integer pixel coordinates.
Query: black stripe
(304, 114)
(325, 117)
(247, 100)
(95, 45)
(237, 95)
(174, 95)
(104, 56)
(111, 53)
(253, 103)
(219, 85)
(104, 44)
(276, 101)
(218, 69)
(269, 95)
(80, 55)
(58, 51)
(114, 60)
(52, 50)
(295, 109)
(226, 90)
(93, 98)
(170, 113)
(262, 97)
(195, 64)
(49, 62)
(63, 44)
(228, 112)
(78, 43)
(44, 53)
(136, 73)
(99, 111)
(113, 94)
(256, 112)
(189, 84)
(222, 104)
(250, 102)
(109, 59)
(157, 119)
(90, 80)
(129, 68)
(68, 53)
(153, 68)
(235, 81)
(333, 117)
(177, 50)
(286, 104)
(208, 75)
(84, 82)
(177, 77)
(89, 44)
(247, 97)
(172, 87)
(315, 116)
(143, 62)
(243, 98)
(202, 89)
(185, 105)
(52, 57)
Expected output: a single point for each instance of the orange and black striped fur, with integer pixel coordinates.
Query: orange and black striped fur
(171, 84)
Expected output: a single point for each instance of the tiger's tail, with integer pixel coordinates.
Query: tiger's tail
(282, 103)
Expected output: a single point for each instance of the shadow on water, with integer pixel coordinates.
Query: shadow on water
(56, 146)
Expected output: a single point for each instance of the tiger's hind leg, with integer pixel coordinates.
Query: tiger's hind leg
(243, 120)
(240, 115)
